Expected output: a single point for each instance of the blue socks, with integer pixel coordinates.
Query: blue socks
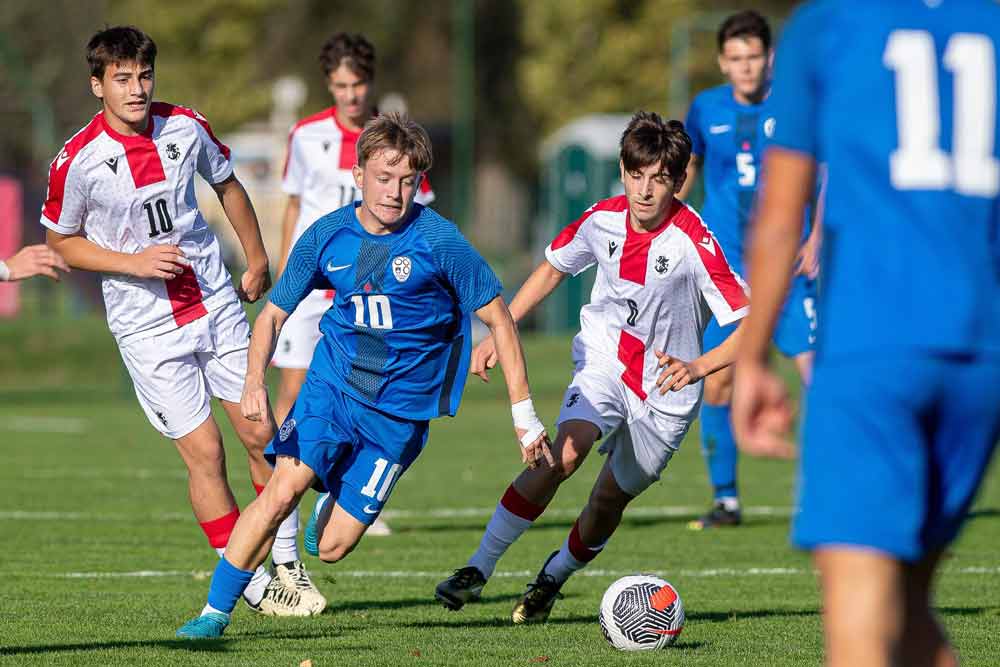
(228, 583)
(718, 446)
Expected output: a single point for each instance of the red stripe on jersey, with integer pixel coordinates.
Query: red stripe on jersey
(712, 257)
(165, 110)
(348, 144)
(52, 208)
(425, 186)
(185, 297)
(308, 120)
(631, 352)
(143, 161)
(635, 252)
(568, 233)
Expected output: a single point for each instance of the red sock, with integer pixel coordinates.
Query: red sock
(518, 505)
(578, 549)
(218, 530)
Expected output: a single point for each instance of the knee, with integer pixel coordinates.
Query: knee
(209, 463)
(608, 502)
(570, 457)
(279, 499)
(335, 552)
(255, 438)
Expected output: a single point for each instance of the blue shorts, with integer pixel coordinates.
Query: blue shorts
(796, 330)
(894, 451)
(357, 452)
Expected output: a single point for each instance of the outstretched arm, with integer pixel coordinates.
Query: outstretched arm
(32, 260)
(678, 374)
(236, 203)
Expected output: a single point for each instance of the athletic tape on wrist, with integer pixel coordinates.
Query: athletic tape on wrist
(4, 272)
(525, 419)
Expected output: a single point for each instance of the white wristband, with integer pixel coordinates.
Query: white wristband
(526, 420)
(4, 272)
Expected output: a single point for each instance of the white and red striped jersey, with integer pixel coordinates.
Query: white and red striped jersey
(321, 154)
(653, 291)
(127, 193)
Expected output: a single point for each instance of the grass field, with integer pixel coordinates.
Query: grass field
(103, 560)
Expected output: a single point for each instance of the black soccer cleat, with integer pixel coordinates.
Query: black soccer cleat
(718, 517)
(536, 603)
(465, 585)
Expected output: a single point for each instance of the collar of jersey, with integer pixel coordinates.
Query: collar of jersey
(647, 237)
(145, 136)
(401, 228)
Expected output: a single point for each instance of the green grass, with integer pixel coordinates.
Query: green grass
(111, 498)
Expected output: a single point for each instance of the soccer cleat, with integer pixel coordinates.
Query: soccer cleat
(718, 517)
(279, 600)
(206, 626)
(536, 604)
(311, 538)
(294, 576)
(465, 585)
(379, 528)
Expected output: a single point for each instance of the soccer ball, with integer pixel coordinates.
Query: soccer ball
(640, 613)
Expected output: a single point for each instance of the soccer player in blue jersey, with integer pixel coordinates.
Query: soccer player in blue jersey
(899, 100)
(729, 126)
(394, 354)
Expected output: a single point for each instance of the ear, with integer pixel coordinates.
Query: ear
(621, 171)
(679, 182)
(722, 64)
(96, 87)
(358, 173)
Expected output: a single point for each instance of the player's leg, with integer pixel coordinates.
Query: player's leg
(718, 445)
(289, 384)
(248, 547)
(924, 641)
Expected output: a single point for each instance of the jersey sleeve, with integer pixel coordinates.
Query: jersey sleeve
(425, 194)
(294, 174)
(302, 273)
(214, 162)
(463, 268)
(66, 200)
(692, 125)
(796, 86)
(570, 251)
(720, 285)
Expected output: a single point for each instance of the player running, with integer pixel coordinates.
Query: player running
(661, 275)
(121, 202)
(904, 409)
(318, 179)
(394, 354)
(729, 126)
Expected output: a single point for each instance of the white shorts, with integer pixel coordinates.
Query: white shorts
(638, 441)
(175, 374)
(300, 333)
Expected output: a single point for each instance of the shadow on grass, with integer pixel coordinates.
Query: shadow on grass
(499, 622)
(737, 615)
(985, 513)
(966, 611)
(406, 603)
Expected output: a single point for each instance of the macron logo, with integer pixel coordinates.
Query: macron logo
(707, 244)
(333, 269)
(61, 160)
(719, 129)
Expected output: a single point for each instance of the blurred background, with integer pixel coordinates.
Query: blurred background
(524, 100)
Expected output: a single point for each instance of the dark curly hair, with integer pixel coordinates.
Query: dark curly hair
(649, 139)
(355, 51)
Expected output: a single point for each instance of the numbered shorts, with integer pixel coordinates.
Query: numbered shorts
(357, 452)
(796, 329)
(638, 441)
(175, 374)
(300, 333)
(893, 452)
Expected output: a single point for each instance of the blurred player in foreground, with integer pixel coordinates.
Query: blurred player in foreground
(729, 127)
(394, 355)
(30, 261)
(661, 275)
(318, 179)
(903, 413)
(121, 202)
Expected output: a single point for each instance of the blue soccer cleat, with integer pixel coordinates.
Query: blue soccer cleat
(311, 539)
(206, 626)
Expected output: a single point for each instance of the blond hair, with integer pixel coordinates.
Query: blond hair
(396, 131)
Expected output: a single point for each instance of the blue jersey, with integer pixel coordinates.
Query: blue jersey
(899, 99)
(730, 137)
(397, 335)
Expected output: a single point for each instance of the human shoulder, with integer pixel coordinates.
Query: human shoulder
(312, 124)
(78, 144)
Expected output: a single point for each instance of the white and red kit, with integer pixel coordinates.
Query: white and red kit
(653, 291)
(127, 193)
(318, 170)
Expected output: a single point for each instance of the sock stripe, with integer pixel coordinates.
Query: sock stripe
(520, 506)
(578, 549)
(218, 530)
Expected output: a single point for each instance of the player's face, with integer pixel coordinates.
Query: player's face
(351, 94)
(126, 89)
(387, 189)
(747, 65)
(650, 191)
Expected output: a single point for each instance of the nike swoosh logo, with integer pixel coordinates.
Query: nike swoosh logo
(719, 129)
(369, 511)
(707, 244)
(331, 268)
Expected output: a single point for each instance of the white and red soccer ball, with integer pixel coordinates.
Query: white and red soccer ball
(641, 612)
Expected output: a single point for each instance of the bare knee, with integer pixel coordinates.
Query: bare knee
(279, 499)
(255, 436)
(574, 442)
(337, 551)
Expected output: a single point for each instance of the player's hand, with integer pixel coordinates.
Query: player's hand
(807, 262)
(676, 375)
(159, 261)
(253, 285)
(36, 260)
(761, 412)
(536, 452)
(253, 403)
(484, 357)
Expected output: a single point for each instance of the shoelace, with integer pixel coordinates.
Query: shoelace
(465, 576)
(300, 576)
(542, 589)
(282, 596)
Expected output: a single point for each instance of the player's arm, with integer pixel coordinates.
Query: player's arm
(678, 374)
(32, 260)
(157, 261)
(530, 430)
(807, 262)
(292, 208)
(693, 171)
(236, 203)
(254, 404)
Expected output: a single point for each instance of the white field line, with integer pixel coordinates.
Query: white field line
(44, 425)
(420, 574)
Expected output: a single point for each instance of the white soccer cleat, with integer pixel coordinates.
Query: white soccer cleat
(379, 528)
(294, 576)
(279, 600)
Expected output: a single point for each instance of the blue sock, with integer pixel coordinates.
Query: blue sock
(719, 449)
(228, 583)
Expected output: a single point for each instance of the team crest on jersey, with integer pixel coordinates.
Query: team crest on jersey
(662, 265)
(401, 267)
(286, 430)
(172, 151)
(769, 127)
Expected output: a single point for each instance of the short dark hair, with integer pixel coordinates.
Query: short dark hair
(745, 24)
(649, 139)
(355, 51)
(396, 131)
(120, 44)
